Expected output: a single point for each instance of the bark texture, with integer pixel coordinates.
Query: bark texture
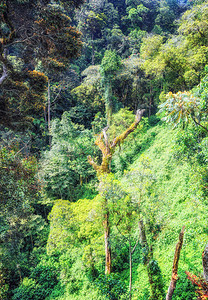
(108, 148)
(174, 277)
(107, 244)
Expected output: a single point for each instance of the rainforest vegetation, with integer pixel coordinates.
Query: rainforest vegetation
(103, 149)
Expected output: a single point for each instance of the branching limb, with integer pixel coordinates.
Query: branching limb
(92, 163)
(197, 123)
(106, 137)
(131, 128)
(5, 64)
(99, 142)
(107, 148)
(6, 19)
(135, 245)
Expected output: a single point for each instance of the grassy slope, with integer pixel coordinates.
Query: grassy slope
(178, 187)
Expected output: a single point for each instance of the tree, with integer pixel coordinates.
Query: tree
(139, 183)
(110, 64)
(174, 277)
(122, 213)
(20, 221)
(32, 31)
(92, 26)
(194, 25)
(108, 148)
(65, 170)
(184, 107)
(88, 98)
(136, 15)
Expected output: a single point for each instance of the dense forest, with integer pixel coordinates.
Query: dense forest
(103, 149)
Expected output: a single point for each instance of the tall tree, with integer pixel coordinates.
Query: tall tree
(32, 31)
(110, 64)
(108, 148)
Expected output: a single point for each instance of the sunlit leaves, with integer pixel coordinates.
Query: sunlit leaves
(183, 107)
(179, 107)
(111, 63)
(73, 224)
(194, 25)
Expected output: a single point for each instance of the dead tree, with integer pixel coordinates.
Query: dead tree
(174, 277)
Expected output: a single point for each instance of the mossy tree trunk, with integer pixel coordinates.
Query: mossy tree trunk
(108, 148)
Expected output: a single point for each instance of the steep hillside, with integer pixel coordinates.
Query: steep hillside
(163, 183)
(178, 171)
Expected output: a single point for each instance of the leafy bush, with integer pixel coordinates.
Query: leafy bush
(111, 286)
(157, 281)
(42, 282)
(28, 290)
(184, 289)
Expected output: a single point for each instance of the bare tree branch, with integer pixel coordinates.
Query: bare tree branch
(174, 277)
(131, 128)
(107, 148)
(106, 137)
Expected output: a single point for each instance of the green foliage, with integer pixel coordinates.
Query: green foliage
(94, 23)
(194, 25)
(111, 63)
(160, 175)
(120, 122)
(186, 106)
(184, 289)
(151, 46)
(22, 98)
(42, 282)
(111, 286)
(75, 223)
(157, 287)
(88, 97)
(76, 236)
(27, 291)
(136, 15)
(179, 107)
(65, 168)
(46, 36)
(22, 228)
(122, 209)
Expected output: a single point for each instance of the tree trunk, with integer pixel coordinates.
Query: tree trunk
(107, 244)
(130, 270)
(174, 277)
(4, 74)
(205, 263)
(4, 67)
(109, 104)
(49, 112)
(93, 50)
(108, 148)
